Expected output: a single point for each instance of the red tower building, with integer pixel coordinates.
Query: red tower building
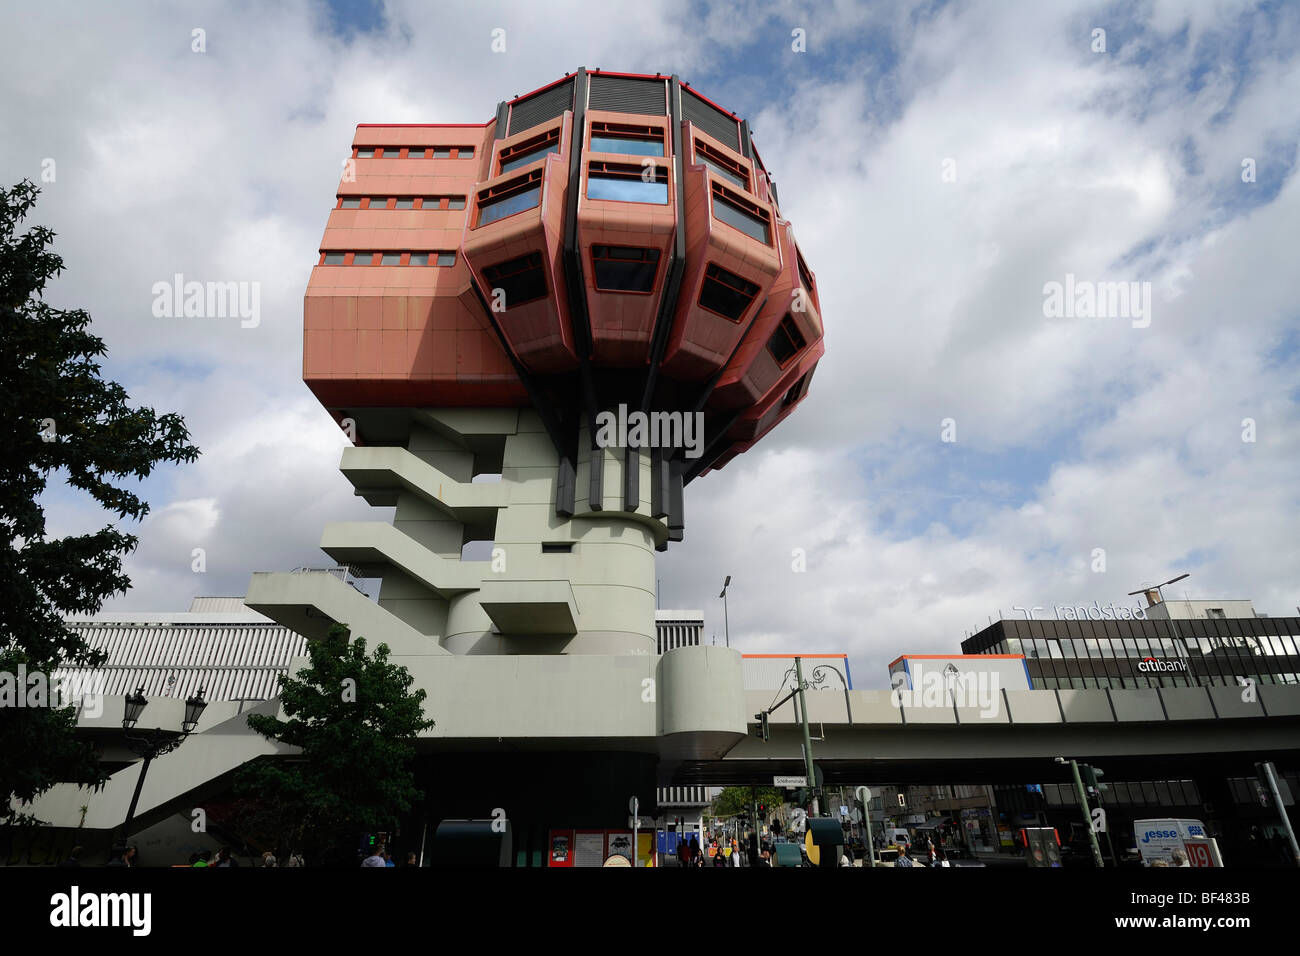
(607, 240)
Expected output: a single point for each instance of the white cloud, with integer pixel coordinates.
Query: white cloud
(220, 165)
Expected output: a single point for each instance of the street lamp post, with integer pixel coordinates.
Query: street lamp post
(151, 744)
(1178, 641)
(726, 624)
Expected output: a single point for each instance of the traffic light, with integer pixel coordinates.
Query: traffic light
(1092, 780)
(762, 731)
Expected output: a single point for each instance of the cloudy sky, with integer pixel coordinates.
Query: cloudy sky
(941, 163)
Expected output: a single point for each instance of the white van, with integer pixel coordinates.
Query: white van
(1160, 839)
(895, 835)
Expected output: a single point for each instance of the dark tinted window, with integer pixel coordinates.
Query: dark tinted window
(624, 269)
(726, 293)
(522, 279)
(785, 342)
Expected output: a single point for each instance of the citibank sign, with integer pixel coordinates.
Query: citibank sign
(1154, 665)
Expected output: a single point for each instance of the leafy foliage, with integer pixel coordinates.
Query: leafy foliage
(355, 720)
(57, 415)
(736, 800)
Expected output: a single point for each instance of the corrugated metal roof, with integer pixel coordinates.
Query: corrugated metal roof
(230, 661)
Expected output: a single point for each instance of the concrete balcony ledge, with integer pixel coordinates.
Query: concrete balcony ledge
(310, 603)
(379, 472)
(372, 542)
(530, 607)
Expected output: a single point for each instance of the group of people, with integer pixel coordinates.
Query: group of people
(713, 853)
(382, 856)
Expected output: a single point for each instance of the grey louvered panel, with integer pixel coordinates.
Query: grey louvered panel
(619, 94)
(541, 107)
(725, 129)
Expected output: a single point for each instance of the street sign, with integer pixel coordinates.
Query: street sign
(641, 823)
(789, 782)
(844, 811)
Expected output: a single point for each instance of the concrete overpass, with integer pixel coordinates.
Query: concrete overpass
(1138, 734)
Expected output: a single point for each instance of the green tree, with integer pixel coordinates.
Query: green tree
(355, 720)
(59, 417)
(736, 800)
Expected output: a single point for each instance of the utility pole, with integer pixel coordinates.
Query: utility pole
(1087, 814)
(807, 738)
(1270, 775)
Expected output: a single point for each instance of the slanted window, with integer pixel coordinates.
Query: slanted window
(726, 293)
(506, 199)
(521, 280)
(720, 163)
(350, 204)
(628, 139)
(366, 152)
(624, 269)
(795, 393)
(786, 342)
(333, 259)
(404, 203)
(740, 213)
(626, 182)
(530, 150)
(804, 275)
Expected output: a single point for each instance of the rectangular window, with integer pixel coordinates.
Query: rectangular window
(786, 342)
(465, 152)
(726, 293)
(740, 213)
(624, 269)
(442, 152)
(402, 203)
(456, 202)
(390, 152)
(721, 164)
(417, 152)
(349, 203)
(391, 259)
(418, 259)
(366, 152)
(625, 182)
(363, 258)
(506, 199)
(626, 139)
(521, 280)
(557, 547)
(333, 259)
(446, 258)
(530, 150)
